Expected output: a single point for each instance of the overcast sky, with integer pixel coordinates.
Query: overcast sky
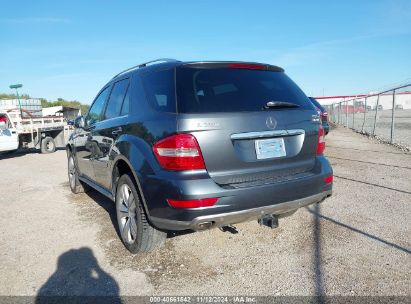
(70, 49)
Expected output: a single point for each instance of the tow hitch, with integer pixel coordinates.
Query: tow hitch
(270, 221)
(229, 228)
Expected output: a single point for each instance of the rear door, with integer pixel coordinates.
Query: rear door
(242, 140)
(9, 139)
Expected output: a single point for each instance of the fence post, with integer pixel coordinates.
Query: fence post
(365, 112)
(376, 115)
(339, 115)
(353, 115)
(346, 114)
(392, 116)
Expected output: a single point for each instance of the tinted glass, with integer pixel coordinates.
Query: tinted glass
(317, 104)
(234, 90)
(94, 114)
(125, 109)
(159, 89)
(116, 99)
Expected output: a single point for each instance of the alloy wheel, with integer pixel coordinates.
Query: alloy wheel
(126, 214)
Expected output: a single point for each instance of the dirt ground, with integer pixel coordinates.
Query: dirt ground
(355, 243)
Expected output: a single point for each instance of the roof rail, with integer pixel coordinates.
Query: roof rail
(141, 65)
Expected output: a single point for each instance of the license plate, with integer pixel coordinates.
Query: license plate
(269, 148)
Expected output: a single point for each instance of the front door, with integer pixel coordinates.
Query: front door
(86, 147)
(108, 131)
(9, 139)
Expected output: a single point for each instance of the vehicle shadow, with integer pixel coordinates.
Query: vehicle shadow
(109, 206)
(79, 278)
(23, 152)
(18, 153)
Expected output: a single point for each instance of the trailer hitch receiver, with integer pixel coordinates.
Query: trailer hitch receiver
(270, 221)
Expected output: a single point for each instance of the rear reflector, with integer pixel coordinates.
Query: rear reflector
(328, 179)
(179, 152)
(204, 202)
(321, 141)
(247, 66)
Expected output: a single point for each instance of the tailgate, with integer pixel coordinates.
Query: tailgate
(241, 148)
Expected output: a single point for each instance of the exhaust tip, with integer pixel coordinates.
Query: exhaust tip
(204, 225)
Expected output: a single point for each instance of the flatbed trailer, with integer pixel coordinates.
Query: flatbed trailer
(45, 133)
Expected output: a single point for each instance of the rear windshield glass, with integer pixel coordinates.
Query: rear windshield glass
(233, 90)
(316, 103)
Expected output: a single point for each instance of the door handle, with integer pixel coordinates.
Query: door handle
(117, 131)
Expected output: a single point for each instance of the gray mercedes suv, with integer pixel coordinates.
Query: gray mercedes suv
(198, 145)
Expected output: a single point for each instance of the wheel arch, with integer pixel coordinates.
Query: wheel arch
(122, 166)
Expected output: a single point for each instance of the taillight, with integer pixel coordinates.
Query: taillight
(328, 179)
(179, 152)
(204, 202)
(321, 141)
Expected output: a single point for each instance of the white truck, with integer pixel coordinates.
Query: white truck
(46, 133)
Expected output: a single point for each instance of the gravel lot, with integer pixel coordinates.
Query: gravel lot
(402, 123)
(355, 243)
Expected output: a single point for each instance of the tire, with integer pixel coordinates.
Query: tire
(136, 233)
(48, 145)
(76, 185)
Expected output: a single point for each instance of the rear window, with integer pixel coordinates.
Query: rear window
(233, 90)
(317, 104)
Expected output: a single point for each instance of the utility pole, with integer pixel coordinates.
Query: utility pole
(17, 86)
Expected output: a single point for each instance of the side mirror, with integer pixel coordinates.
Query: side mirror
(3, 125)
(79, 122)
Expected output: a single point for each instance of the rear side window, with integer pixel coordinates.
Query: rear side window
(233, 90)
(117, 97)
(125, 109)
(159, 89)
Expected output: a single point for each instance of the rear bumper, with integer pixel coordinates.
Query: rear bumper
(218, 220)
(234, 205)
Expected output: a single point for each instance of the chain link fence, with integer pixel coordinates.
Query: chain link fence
(386, 115)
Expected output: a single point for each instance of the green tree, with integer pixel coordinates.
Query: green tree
(46, 103)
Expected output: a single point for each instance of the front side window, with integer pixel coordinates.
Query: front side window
(94, 114)
(116, 99)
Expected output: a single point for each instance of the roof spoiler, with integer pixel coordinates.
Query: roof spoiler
(234, 65)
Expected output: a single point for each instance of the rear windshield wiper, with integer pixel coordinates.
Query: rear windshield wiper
(280, 104)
